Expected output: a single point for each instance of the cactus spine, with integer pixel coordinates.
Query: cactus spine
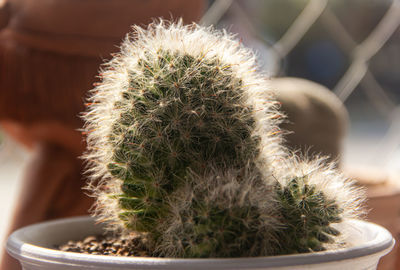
(183, 136)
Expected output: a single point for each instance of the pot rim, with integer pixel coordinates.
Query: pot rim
(19, 247)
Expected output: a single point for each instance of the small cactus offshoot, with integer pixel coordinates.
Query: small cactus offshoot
(184, 147)
(312, 197)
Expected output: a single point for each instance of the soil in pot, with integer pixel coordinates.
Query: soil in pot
(108, 245)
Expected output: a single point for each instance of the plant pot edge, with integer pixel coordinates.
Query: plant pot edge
(19, 245)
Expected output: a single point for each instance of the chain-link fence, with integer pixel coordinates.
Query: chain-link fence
(352, 47)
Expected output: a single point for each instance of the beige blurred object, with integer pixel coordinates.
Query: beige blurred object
(50, 54)
(316, 118)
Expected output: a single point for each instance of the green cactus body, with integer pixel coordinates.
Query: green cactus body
(221, 214)
(177, 101)
(308, 215)
(312, 196)
(184, 146)
(177, 113)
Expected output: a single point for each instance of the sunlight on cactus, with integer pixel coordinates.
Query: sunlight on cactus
(184, 146)
(312, 196)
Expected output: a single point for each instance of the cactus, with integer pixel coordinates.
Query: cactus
(184, 147)
(222, 214)
(313, 196)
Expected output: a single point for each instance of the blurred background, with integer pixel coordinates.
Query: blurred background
(352, 47)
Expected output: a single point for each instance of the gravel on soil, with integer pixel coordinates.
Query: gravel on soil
(108, 245)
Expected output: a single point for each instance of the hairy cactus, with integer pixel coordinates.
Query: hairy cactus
(312, 197)
(222, 214)
(183, 135)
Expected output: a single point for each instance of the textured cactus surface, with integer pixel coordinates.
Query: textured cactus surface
(184, 146)
(221, 214)
(178, 113)
(312, 197)
(310, 213)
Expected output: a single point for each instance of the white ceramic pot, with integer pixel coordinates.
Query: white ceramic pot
(34, 246)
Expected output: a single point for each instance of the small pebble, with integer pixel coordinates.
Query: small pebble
(89, 239)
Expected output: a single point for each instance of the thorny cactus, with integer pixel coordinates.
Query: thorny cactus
(220, 214)
(312, 196)
(183, 135)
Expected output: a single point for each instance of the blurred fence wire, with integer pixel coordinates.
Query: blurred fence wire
(358, 75)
